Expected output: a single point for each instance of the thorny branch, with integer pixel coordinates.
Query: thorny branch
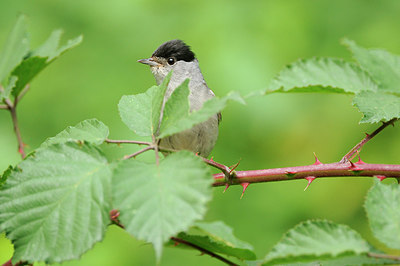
(350, 155)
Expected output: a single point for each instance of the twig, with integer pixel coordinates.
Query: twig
(350, 155)
(155, 145)
(229, 174)
(133, 155)
(383, 256)
(128, 142)
(203, 250)
(357, 169)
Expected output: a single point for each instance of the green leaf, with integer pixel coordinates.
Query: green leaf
(90, 130)
(188, 120)
(218, 237)
(15, 48)
(7, 90)
(314, 240)
(383, 211)
(383, 66)
(157, 202)
(55, 205)
(141, 112)
(176, 107)
(377, 106)
(4, 176)
(41, 58)
(322, 75)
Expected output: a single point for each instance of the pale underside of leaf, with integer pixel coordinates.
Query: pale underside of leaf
(15, 48)
(157, 202)
(383, 211)
(54, 206)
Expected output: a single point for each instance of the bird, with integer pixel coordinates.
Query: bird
(177, 56)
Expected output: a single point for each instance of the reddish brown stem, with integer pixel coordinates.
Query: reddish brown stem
(316, 170)
(203, 250)
(350, 155)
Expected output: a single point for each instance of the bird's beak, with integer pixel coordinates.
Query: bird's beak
(148, 61)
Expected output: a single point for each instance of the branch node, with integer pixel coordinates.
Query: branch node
(226, 188)
(309, 179)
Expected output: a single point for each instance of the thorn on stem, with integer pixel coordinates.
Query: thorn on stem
(244, 185)
(176, 243)
(380, 177)
(226, 187)
(359, 159)
(290, 174)
(233, 167)
(309, 179)
(317, 162)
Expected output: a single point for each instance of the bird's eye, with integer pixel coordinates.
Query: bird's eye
(171, 60)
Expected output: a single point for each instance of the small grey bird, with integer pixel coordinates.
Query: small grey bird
(176, 55)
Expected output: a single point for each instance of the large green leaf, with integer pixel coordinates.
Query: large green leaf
(141, 112)
(187, 120)
(218, 237)
(377, 106)
(90, 130)
(158, 201)
(383, 211)
(383, 66)
(55, 205)
(41, 58)
(322, 75)
(15, 48)
(314, 240)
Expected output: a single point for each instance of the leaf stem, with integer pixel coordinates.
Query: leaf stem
(350, 155)
(383, 256)
(133, 155)
(127, 142)
(203, 250)
(12, 107)
(155, 147)
(22, 93)
(357, 169)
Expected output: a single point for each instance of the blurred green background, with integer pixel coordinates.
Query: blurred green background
(241, 45)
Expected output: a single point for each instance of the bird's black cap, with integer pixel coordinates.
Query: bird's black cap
(175, 48)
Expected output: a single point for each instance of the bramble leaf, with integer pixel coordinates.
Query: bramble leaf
(322, 75)
(188, 120)
(90, 130)
(315, 240)
(383, 211)
(158, 201)
(377, 106)
(141, 112)
(218, 237)
(15, 48)
(55, 205)
(41, 58)
(383, 66)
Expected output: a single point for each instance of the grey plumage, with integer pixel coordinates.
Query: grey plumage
(176, 55)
